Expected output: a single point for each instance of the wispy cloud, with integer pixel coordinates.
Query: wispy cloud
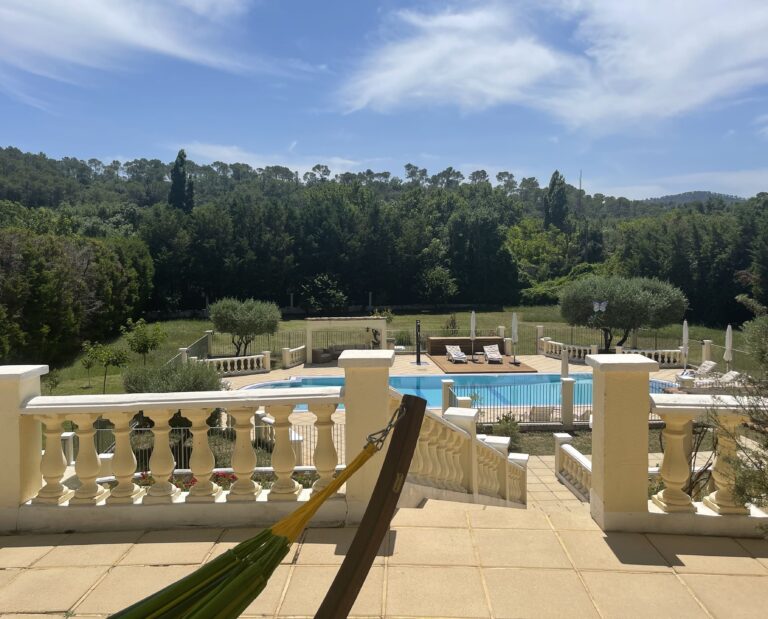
(203, 152)
(61, 40)
(762, 125)
(612, 63)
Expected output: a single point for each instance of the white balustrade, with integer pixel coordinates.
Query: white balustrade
(294, 356)
(53, 465)
(162, 464)
(284, 488)
(87, 464)
(326, 457)
(671, 358)
(234, 366)
(243, 458)
(576, 353)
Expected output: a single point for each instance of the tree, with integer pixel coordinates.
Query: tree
(322, 292)
(109, 356)
(556, 203)
(244, 320)
(181, 195)
(507, 181)
(143, 339)
(478, 176)
(89, 359)
(624, 304)
(438, 285)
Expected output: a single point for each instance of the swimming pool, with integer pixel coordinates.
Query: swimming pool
(486, 390)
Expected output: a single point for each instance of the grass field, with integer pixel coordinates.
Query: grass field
(182, 333)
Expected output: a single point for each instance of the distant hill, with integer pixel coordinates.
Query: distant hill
(694, 196)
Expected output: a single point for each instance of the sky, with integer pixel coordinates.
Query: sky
(646, 98)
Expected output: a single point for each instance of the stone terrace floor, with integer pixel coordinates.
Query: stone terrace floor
(444, 560)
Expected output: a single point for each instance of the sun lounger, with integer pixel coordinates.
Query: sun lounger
(455, 355)
(492, 354)
(729, 379)
(706, 368)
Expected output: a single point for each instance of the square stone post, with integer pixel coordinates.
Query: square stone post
(447, 384)
(367, 409)
(706, 350)
(209, 342)
(20, 441)
(466, 419)
(566, 402)
(620, 406)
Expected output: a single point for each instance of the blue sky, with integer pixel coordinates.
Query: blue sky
(647, 98)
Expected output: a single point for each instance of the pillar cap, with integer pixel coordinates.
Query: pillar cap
(367, 359)
(622, 363)
(19, 372)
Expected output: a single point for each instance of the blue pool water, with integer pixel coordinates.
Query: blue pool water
(501, 389)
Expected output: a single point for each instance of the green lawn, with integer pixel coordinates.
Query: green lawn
(182, 333)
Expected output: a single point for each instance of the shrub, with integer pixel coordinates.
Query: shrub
(167, 378)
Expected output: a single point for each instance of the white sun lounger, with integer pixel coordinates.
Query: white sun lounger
(492, 354)
(455, 355)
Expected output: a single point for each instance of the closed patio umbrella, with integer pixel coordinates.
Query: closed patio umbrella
(685, 344)
(514, 338)
(472, 330)
(728, 354)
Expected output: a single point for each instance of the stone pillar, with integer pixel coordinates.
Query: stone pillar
(367, 409)
(564, 362)
(183, 353)
(446, 385)
(566, 402)
(20, 440)
(209, 342)
(620, 405)
(619, 350)
(286, 357)
(267, 360)
(594, 349)
(507, 346)
(464, 402)
(539, 335)
(466, 419)
(308, 340)
(561, 438)
(500, 331)
(706, 350)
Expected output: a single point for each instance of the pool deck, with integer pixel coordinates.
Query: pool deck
(405, 365)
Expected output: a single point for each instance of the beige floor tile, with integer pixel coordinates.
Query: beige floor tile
(430, 518)
(435, 592)
(579, 520)
(596, 550)
(638, 596)
(330, 546)
(180, 546)
(125, 585)
(309, 584)
(266, 603)
(232, 537)
(6, 576)
(706, 555)
(48, 590)
(81, 549)
(516, 548)
(538, 496)
(435, 505)
(509, 519)
(745, 597)
(24, 550)
(431, 547)
(757, 548)
(529, 593)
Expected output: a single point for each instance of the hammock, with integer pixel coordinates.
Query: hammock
(226, 586)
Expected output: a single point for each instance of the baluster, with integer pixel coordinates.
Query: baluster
(430, 460)
(202, 461)
(326, 457)
(722, 500)
(124, 462)
(443, 475)
(422, 453)
(162, 464)
(675, 467)
(458, 474)
(243, 458)
(87, 464)
(435, 475)
(285, 488)
(53, 465)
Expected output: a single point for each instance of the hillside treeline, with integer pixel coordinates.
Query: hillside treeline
(95, 243)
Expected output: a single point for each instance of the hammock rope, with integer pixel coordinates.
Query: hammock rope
(224, 587)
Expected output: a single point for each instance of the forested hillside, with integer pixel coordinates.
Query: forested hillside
(84, 245)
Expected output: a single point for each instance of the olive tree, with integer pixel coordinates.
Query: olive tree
(617, 305)
(244, 320)
(141, 338)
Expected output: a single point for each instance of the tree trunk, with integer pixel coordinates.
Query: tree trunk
(623, 338)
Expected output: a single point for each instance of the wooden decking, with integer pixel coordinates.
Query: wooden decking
(479, 366)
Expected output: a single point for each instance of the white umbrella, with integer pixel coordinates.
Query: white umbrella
(685, 343)
(472, 329)
(728, 354)
(514, 338)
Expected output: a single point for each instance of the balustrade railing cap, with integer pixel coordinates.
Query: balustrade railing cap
(622, 363)
(696, 404)
(367, 359)
(134, 402)
(17, 372)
